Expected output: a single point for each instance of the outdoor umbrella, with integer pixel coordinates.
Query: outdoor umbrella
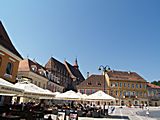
(68, 95)
(8, 89)
(31, 90)
(100, 95)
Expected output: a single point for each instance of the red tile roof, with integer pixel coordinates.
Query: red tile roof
(27, 64)
(123, 75)
(152, 85)
(93, 81)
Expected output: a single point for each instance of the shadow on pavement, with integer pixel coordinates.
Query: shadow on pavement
(118, 117)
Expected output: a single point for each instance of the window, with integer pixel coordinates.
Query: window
(93, 91)
(129, 93)
(112, 85)
(82, 91)
(116, 93)
(136, 93)
(120, 84)
(116, 84)
(99, 84)
(136, 85)
(128, 85)
(140, 86)
(89, 83)
(111, 92)
(9, 68)
(132, 85)
(88, 91)
(120, 93)
(124, 84)
(34, 68)
(140, 93)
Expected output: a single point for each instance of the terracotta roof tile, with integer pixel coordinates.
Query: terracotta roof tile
(152, 85)
(27, 64)
(122, 75)
(92, 81)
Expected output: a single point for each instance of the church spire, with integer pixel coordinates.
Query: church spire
(76, 64)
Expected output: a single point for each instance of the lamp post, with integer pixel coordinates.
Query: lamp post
(104, 69)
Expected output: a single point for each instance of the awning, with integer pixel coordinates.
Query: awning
(7, 94)
(7, 87)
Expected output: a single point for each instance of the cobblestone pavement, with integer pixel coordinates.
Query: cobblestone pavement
(138, 113)
(126, 113)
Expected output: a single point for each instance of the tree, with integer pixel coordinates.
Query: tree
(156, 83)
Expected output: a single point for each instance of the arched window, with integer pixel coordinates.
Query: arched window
(9, 68)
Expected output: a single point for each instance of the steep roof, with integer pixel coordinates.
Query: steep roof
(27, 64)
(6, 42)
(74, 71)
(92, 80)
(123, 75)
(152, 85)
(52, 61)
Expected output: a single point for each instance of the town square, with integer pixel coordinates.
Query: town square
(79, 60)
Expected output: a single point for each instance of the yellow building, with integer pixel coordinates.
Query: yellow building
(128, 88)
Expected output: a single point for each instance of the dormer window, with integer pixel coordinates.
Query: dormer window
(42, 72)
(34, 68)
(99, 84)
(89, 83)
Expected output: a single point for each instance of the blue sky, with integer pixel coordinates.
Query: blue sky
(124, 34)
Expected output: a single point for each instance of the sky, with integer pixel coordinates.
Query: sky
(124, 34)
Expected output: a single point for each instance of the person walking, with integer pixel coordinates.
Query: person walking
(147, 112)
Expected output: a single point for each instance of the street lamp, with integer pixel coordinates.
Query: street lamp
(104, 69)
